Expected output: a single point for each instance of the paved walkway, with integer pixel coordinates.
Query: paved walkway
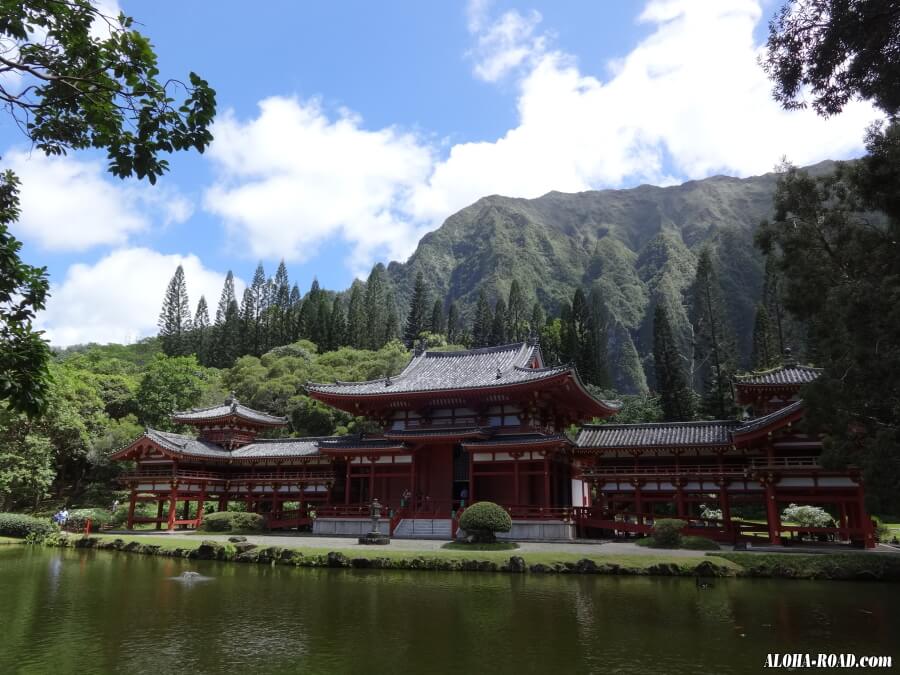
(309, 541)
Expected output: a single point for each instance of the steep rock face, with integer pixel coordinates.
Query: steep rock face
(637, 247)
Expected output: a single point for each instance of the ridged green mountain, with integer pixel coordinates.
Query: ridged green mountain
(637, 246)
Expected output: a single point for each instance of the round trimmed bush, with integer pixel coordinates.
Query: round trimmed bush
(483, 520)
(667, 532)
(229, 521)
(20, 525)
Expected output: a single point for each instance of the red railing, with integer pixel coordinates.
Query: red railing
(273, 477)
(702, 469)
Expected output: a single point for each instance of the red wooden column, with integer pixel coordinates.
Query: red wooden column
(132, 500)
(347, 483)
(371, 478)
(471, 477)
(773, 520)
(638, 503)
(546, 481)
(679, 498)
(864, 521)
(725, 505)
(516, 480)
(201, 503)
(173, 503)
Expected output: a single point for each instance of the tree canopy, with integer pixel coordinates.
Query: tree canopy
(73, 78)
(837, 50)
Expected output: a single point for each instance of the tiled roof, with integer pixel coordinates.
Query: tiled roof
(766, 420)
(186, 445)
(676, 434)
(278, 447)
(275, 448)
(783, 375)
(440, 371)
(690, 434)
(230, 407)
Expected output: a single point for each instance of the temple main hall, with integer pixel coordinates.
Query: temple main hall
(497, 424)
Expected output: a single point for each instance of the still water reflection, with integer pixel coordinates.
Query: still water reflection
(105, 612)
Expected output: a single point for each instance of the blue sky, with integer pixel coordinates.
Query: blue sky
(346, 130)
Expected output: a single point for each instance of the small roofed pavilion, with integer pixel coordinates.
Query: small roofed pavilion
(636, 473)
(225, 462)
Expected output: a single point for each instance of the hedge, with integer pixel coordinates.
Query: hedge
(20, 525)
(78, 518)
(227, 521)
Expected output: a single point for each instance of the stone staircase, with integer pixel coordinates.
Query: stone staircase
(423, 528)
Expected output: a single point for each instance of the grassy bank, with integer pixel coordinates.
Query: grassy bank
(838, 566)
(835, 566)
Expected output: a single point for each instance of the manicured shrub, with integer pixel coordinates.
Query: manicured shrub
(667, 532)
(78, 518)
(483, 520)
(229, 521)
(699, 544)
(807, 516)
(20, 525)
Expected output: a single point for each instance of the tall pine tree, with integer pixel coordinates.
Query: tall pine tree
(226, 337)
(202, 336)
(377, 315)
(254, 320)
(391, 322)
(765, 352)
(436, 325)
(714, 343)
(417, 317)
(356, 316)
(537, 320)
(516, 314)
(675, 395)
(337, 325)
(498, 325)
(482, 322)
(454, 326)
(175, 317)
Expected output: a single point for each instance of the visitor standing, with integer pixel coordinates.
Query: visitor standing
(63, 517)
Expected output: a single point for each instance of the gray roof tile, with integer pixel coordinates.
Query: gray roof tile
(262, 448)
(783, 375)
(439, 371)
(230, 407)
(674, 434)
(765, 420)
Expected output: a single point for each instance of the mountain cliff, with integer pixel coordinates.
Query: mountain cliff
(638, 247)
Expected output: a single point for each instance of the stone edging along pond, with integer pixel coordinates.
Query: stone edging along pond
(837, 566)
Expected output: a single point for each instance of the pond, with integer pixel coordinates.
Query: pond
(66, 611)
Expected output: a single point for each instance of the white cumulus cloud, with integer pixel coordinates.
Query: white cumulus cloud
(69, 204)
(118, 299)
(293, 178)
(688, 101)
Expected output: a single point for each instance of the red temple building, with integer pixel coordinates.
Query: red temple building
(490, 424)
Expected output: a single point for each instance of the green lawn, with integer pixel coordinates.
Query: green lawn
(9, 540)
